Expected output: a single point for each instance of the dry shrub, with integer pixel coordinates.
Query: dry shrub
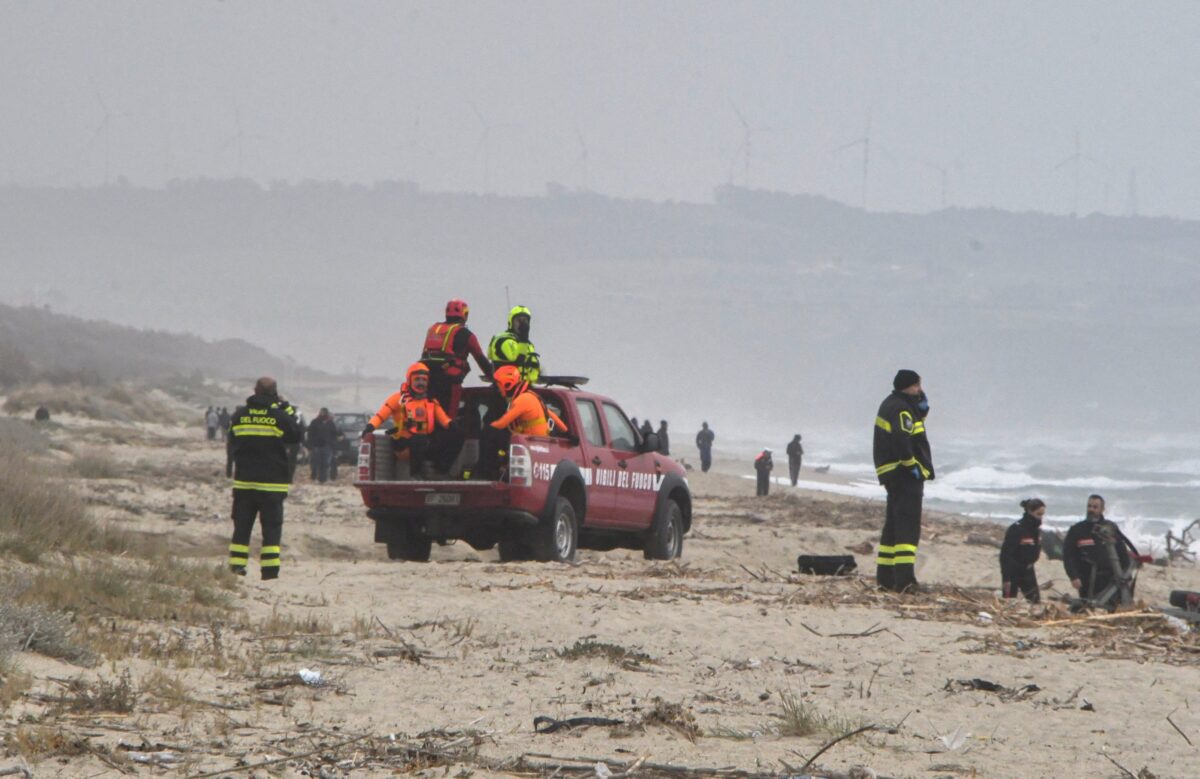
(170, 690)
(673, 716)
(95, 464)
(80, 696)
(39, 515)
(23, 437)
(13, 683)
(800, 719)
(71, 397)
(37, 629)
(614, 653)
(40, 742)
(134, 589)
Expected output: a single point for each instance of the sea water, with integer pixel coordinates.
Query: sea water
(1150, 487)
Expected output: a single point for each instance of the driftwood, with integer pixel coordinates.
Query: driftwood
(15, 770)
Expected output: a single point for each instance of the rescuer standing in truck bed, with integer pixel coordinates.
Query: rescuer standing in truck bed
(513, 347)
(258, 462)
(447, 346)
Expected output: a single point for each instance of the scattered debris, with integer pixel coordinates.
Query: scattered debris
(983, 685)
(544, 724)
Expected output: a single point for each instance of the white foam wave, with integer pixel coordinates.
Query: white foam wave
(983, 477)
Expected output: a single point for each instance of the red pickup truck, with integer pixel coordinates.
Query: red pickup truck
(597, 486)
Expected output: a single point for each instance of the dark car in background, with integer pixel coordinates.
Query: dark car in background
(350, 424)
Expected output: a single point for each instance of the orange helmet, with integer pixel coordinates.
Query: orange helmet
(508, 379)
(457, 309)
(415, 368)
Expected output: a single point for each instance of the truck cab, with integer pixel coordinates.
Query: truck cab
(597, 485)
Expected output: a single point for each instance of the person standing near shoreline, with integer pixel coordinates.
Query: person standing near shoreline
(795, 453)
(1021, 549)
(704, 442)
(903, 463)
(763, 466)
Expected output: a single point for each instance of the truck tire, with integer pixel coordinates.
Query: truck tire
(556, 540)
(664, 541)
(408, 544)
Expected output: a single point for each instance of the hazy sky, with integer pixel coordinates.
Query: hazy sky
(627, 98)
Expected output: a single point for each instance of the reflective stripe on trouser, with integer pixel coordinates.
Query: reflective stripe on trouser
(895, 564)
(269, 557)
(239, 555)
(267, 509)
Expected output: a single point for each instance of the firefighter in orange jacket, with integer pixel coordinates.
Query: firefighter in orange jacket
(447, 346)
(527, 414)
(422, 426)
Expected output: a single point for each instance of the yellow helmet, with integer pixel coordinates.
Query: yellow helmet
(516, 312)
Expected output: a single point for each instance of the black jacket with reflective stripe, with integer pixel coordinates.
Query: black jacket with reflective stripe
(258, 432)
(900, 440)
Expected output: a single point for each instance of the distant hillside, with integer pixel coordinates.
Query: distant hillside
(37, 343)
(765, 311)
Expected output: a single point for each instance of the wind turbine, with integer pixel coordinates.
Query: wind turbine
(1074, 160)
(943, 172)
(239, 138)
(485, 143)
(748, 133)
(865, 142)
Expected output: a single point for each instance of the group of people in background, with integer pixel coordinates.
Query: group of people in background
(216, 420)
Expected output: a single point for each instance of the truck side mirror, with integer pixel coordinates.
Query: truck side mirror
(650, 442)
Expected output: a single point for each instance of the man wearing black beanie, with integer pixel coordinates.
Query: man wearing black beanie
(903, 463)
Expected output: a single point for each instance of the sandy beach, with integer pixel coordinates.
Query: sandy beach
(726, 659)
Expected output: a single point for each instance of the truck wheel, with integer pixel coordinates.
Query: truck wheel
(665, 539)
(557, 540)
(513, 551)
(407, 544)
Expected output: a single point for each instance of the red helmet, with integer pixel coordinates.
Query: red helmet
(457, 309)
(508, 379)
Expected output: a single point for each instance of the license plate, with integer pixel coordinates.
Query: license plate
(443, 499)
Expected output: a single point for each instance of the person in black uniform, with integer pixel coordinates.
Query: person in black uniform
(1084, 554)
(1021, 549)
(763, 465)
(257, 459)
(903, 463)
(795, 453)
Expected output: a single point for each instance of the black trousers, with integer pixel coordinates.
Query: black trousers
(1022, 580)
(441, 447)
(705, 459)
(764, 483)
(321, 460)
(493, 443)
(794, 470)
(895, 566)
(267, 508)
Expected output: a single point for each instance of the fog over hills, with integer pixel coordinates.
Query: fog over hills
(761, 312)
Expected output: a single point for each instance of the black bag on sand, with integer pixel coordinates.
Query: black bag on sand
(1183, 599)
(827, 564)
